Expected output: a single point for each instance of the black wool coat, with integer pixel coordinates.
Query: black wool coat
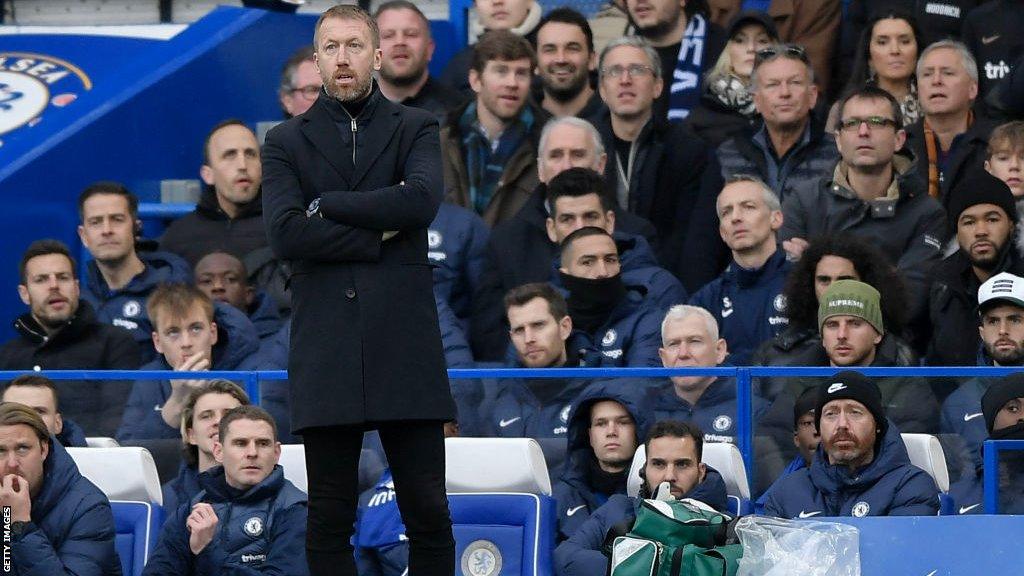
(365, 342)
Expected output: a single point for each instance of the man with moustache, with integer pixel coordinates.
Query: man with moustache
(350, 188)
(565, 61)
(983, 213)
(861, 467)
(1001, 325)
(407, 48)
(60, 331)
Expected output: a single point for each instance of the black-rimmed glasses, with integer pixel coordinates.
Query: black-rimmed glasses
(873, 122)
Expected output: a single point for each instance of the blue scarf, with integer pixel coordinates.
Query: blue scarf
(684, 91)
(485, 164)
(759, 5)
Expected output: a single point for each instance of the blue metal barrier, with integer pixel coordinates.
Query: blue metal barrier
(743, 375)
(991, 450)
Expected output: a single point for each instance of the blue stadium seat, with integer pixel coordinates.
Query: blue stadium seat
(137, 527)
(499, 493)
(516, 531)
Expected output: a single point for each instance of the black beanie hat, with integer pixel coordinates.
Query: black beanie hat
(980, 187)
(998, 394)
(850, 385)
(804, 404)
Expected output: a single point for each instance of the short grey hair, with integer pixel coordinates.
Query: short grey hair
(781, 53)
(770, 198)
(681, 312)
(966, 58)
(635, 42)
(595, 136)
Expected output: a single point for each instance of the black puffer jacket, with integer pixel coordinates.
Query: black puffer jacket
(949, 335)
(83, 343)
(209, 228)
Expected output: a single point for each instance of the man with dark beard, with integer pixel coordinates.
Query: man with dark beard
(407, 48)
(1001, 317)
(565, 61)
(1002, 407)
(984, 215)
(688, 45)
(350, 188)
(861, 467)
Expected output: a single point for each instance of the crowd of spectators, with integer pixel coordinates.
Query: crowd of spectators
(720, 183)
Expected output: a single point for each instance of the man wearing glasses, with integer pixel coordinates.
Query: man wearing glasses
(654, 166)
(874, 192)
(791, 150)
(300, 83)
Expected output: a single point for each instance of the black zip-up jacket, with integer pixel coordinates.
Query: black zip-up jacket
(209, 228)
(951, 328)
(666, 181)
(83, 343)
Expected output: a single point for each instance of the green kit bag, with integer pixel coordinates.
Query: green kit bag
(676, 538)
(680, 522)
(642, 557)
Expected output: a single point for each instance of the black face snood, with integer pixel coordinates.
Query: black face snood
(591, 300)
(1015, 432)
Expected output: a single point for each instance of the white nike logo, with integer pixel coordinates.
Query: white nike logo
(808, 514)
(157, 407)
(727, 312)
(572, 511)
(966, 509)
(505, 423)
(969, 417)
(989, 39)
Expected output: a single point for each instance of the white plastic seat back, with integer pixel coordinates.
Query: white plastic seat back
(122, 473)
(293, 460)
(926, 453)
(721, 456)
(101, 442)
(726, 458)
(633, 481)
(496, 465)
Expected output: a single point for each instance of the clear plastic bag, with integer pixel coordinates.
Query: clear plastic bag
(777, 547)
